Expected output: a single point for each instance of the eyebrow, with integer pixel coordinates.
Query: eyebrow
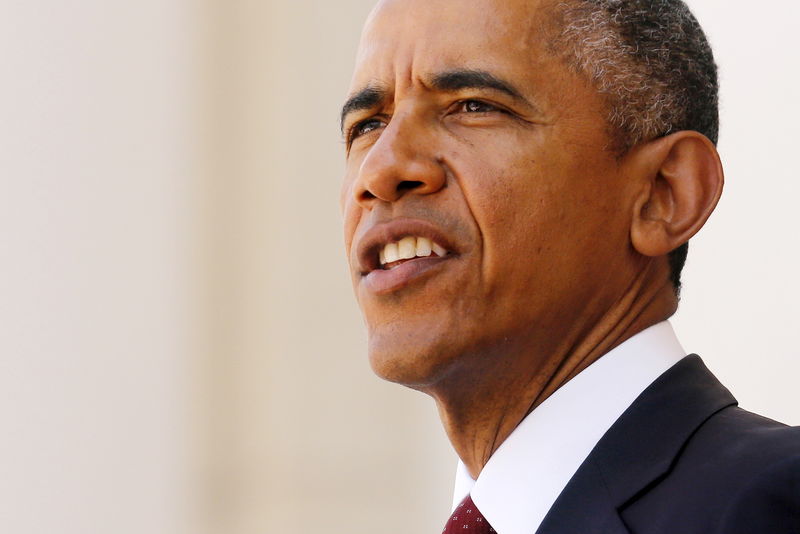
(448, 81)
(455, 80)
(366, 98)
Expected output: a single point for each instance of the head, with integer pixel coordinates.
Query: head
(488, 131)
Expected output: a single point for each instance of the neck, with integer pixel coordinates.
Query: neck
(482, 402)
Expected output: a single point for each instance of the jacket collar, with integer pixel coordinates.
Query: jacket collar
(526, 474)
(637, 450)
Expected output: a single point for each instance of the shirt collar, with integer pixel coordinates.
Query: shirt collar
(525, 475)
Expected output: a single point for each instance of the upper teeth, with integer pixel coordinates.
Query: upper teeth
(410, 247)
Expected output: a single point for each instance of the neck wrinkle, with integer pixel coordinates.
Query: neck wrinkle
(480, 405)
(641, 306)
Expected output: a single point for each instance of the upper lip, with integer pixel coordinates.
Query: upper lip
(394, 230)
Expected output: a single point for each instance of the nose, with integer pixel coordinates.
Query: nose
(402, 161)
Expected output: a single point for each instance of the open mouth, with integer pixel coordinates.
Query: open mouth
(406, 249)
(402, 252)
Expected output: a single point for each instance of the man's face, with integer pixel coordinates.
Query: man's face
(468, 133)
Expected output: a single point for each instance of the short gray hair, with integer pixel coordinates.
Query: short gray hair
(652, 62)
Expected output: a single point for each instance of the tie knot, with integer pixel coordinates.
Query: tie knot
(467, 519)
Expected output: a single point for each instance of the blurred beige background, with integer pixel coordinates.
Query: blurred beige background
(180, 349)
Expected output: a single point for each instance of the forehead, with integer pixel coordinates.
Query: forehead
(411, 38)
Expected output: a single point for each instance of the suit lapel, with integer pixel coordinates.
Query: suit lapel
(637, 450)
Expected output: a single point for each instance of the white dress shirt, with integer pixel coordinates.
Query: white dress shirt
(525, 475)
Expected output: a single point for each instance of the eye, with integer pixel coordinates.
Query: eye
(364, 127)
(477, 106)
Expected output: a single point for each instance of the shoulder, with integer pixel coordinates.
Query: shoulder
(734, 437)
(738, 473)
(764, 457)
(768, 501)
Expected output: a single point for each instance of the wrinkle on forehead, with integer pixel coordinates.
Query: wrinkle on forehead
(404, 38)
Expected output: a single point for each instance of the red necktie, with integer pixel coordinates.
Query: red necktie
(466, 519)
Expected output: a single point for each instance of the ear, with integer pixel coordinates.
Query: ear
(681, 181)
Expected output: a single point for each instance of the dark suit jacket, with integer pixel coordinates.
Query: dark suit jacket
(684, 459)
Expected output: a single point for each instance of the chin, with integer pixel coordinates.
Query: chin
(415, 365)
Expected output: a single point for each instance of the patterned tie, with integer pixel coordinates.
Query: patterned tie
(466, 519)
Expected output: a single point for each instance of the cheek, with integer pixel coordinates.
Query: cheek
(511, 199)
(546, 220)
(494, 176)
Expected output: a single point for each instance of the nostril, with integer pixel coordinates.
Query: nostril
(388, 191)
(408, 185)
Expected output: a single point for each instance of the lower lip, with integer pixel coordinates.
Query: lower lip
(382, 281)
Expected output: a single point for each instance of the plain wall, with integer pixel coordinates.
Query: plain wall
(95, 228)
(740, 302)
(181, 351)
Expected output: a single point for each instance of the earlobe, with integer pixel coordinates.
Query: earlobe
(682, 179)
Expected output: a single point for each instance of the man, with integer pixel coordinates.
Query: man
(522, 179)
